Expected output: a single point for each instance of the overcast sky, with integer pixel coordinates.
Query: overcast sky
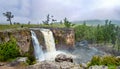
(36, 10)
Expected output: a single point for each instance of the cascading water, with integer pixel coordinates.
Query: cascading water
(50, 45)
(49, 40)
(37, 48)
(80, 54)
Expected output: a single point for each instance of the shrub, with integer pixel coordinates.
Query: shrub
(118, 61)
(31, 59)
(109, 61)
(67, 23)
(9, 50)
(96, 60)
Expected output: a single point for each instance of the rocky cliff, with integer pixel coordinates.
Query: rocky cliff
(64, 38)
(22, 36)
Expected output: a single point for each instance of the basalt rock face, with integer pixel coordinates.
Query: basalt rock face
(22, 36)
(64, 38)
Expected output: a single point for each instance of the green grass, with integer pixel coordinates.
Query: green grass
(6, 27)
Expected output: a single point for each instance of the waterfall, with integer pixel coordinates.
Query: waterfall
(79, 54)
(50, 46)
(37, 48)
(49, 40)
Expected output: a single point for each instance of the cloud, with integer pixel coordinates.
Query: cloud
(36, 10)
(19, 8)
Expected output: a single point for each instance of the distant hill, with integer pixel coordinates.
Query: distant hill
(96, 22)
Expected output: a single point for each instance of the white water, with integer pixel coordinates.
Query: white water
(50, 45)
(37, 48)
(49, 40)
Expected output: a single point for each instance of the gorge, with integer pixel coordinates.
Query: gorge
(45, 44)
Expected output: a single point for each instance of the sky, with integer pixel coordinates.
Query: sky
(35, 11)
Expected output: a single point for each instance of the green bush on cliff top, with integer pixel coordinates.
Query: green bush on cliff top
(9, 50)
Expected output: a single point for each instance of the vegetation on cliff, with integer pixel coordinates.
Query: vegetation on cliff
(9, 50)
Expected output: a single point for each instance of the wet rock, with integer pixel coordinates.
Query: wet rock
(98, 67)
(63, 57)
(54, 65)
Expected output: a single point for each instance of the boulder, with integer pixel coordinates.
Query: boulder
(63, 57)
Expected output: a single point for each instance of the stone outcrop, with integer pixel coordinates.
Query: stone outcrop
(63, 57)
(54, 65)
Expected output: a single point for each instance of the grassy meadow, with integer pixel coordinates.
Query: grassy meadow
(7, 26)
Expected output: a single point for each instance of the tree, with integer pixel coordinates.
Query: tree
(29, 22)
(53, 20)
(118, 38)
(108, 30)
(61, 22)
(9, 16)
(47, 20)
(67, 23)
